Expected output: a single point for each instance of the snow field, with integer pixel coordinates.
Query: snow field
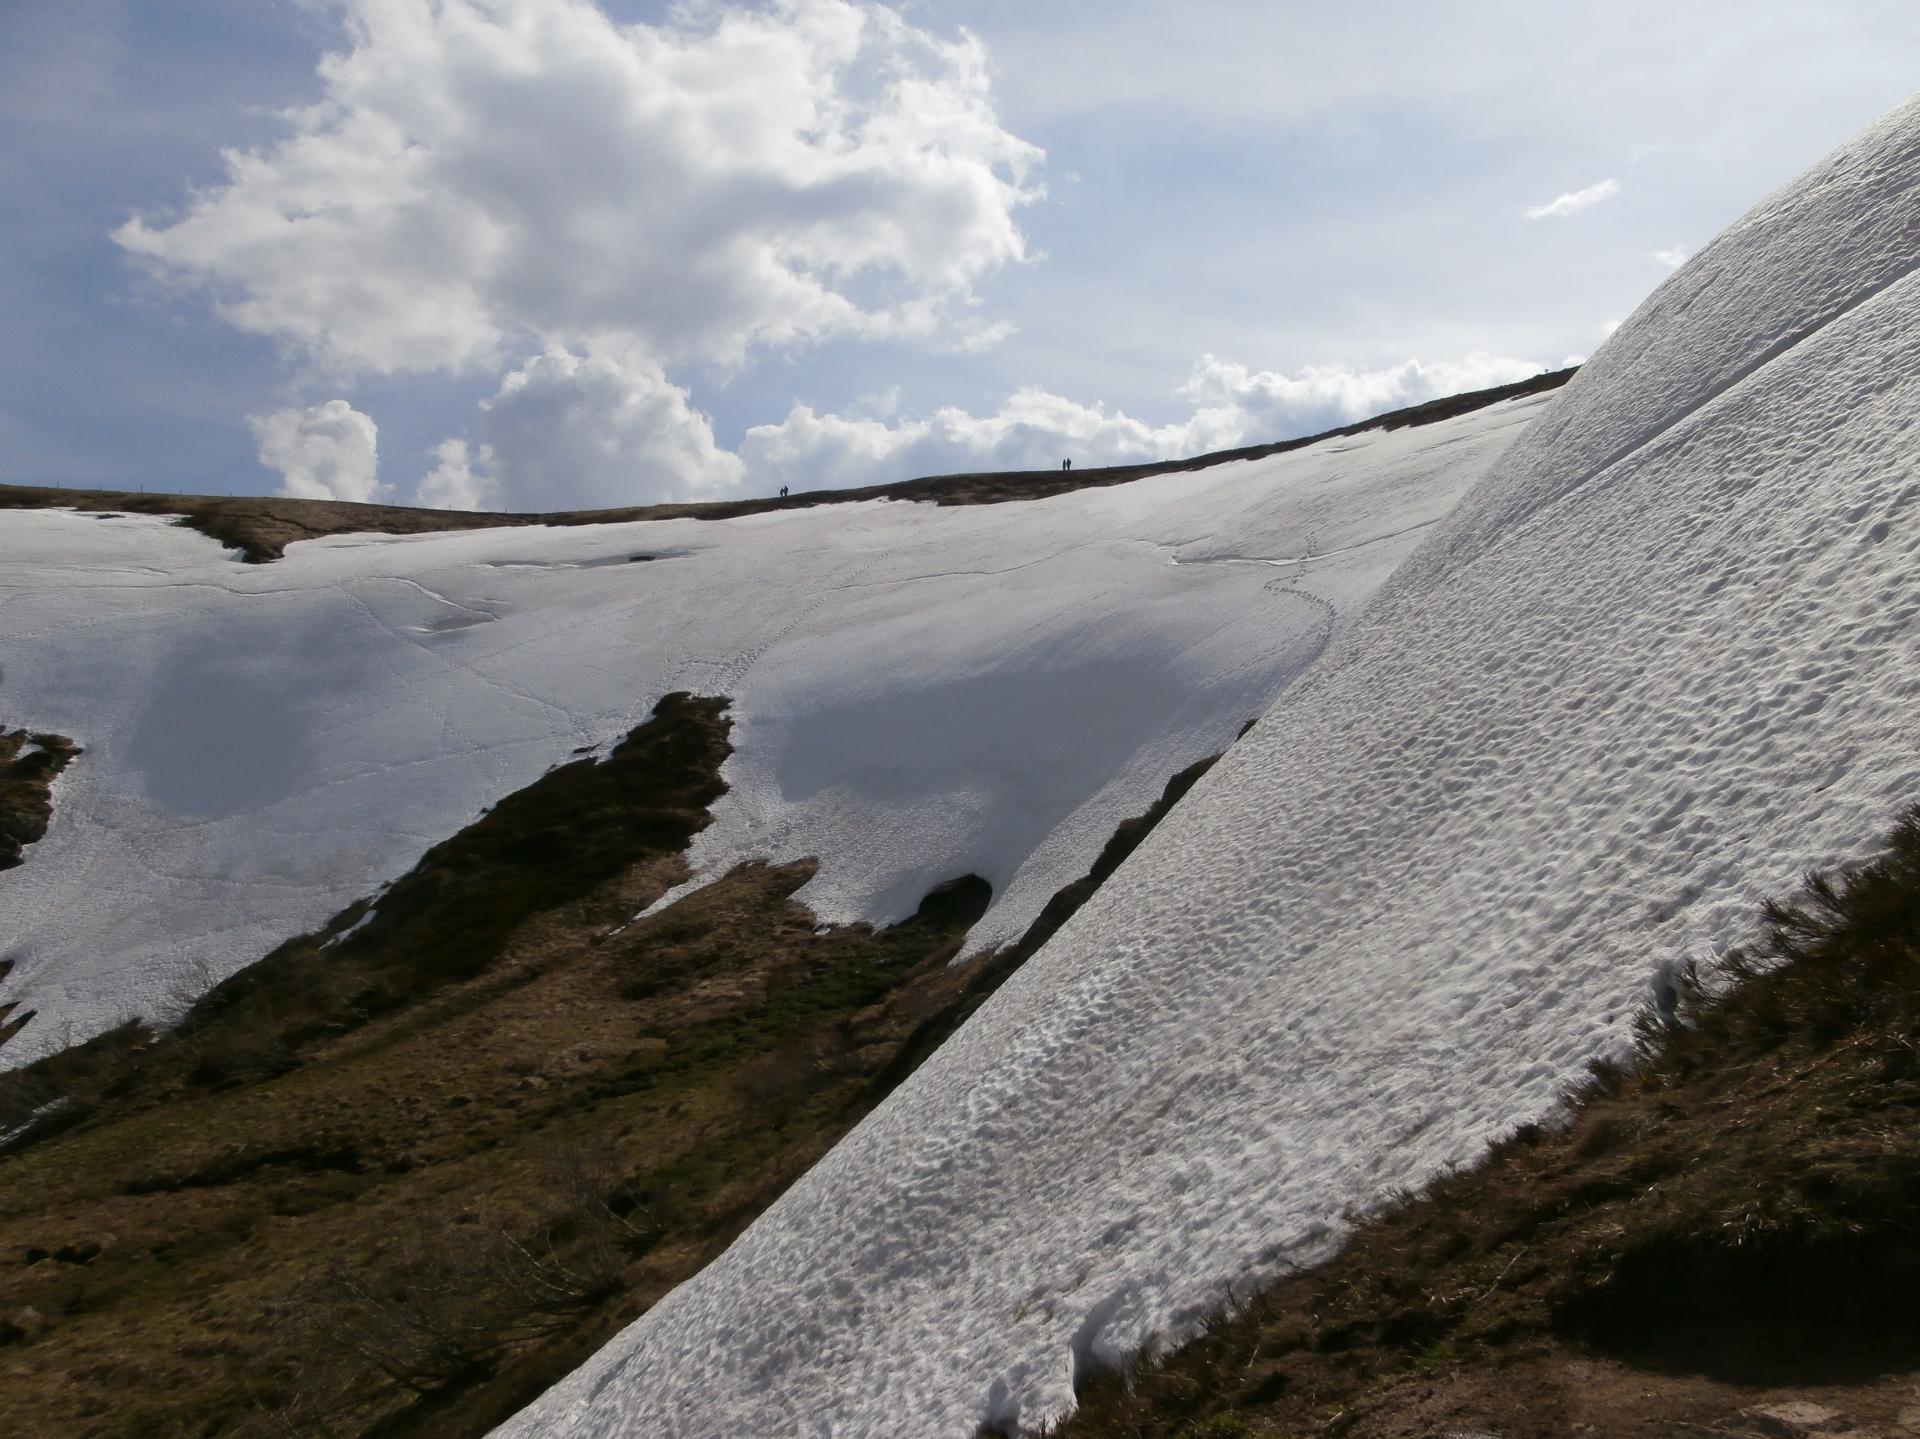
(919, 692)
(1660, 661)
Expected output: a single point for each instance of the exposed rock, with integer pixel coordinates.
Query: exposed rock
(22, 1324)
(1794, 1419)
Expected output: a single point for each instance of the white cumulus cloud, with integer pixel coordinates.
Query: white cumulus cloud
(1230, 405)
(1033, 429)
(1246, 405)
(1673, 258)
(452, 483)
(478, 172)
(568, 431)
(1574, 201)
(322, 452)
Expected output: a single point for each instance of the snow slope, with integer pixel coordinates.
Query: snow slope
(920, 692)
(1660, 660)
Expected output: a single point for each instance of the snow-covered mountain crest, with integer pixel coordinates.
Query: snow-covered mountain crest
(1657, 663)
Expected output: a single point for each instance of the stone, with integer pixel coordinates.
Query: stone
(28, 1321)
(1794, 1419)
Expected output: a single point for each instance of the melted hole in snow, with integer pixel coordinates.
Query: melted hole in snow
(458, 622)
(598, 562)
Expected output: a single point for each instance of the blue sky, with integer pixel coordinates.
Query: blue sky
(538, 253)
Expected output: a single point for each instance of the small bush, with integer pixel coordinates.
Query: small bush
(248, 1048)
(1842, 959)
(446, 1299)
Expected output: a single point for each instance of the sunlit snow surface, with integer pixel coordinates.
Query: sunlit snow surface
(1664, 657)
(921, 693)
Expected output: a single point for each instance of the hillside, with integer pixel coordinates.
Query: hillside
(1656, 665)
(1119, 964)
(1717, 1245)
(406, 1171)
(261, 528)
(918, 692)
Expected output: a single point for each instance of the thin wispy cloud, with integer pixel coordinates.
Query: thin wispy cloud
(1575, 201)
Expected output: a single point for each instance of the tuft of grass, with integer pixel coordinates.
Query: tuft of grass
(1219, 1426)
(1839, 963)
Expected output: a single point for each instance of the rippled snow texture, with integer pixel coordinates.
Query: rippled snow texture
(920, 693)
(1661, 660)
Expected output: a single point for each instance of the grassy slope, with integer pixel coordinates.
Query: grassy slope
(1732, 1224)
(262, 528)
(399, 1183)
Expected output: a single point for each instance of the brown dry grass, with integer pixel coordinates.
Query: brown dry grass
(401, 1184)
(483, 1105)
(212, 1258)
(29, 764)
